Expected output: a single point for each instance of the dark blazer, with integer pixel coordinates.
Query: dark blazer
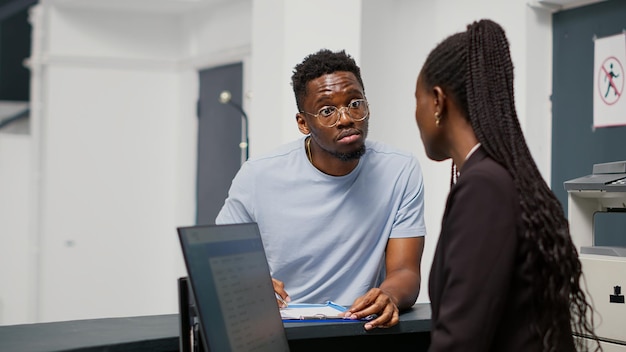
(479, 285)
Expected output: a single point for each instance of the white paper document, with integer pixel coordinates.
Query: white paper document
(310, 312)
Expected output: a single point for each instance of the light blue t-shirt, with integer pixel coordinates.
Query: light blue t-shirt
(325, 236)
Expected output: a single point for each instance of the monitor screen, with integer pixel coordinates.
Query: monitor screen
(232, 288)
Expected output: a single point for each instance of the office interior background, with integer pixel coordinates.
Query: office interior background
(98, 176)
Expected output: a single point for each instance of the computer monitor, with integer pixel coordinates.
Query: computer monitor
(232, 288)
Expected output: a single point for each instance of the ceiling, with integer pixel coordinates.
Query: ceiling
(559, 5)
(157, 6)
(183, 6)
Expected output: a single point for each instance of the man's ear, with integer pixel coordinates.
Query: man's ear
(440, 100)
(302, 124)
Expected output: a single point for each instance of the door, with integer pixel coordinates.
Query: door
(219, 136)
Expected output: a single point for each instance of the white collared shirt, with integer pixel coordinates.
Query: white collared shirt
(472, 151)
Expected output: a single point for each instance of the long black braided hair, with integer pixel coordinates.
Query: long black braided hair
(475, 69)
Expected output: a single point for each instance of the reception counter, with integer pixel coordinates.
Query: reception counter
(161, 333)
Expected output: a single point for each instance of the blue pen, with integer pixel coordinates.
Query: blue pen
(336, 306)
(343, 309)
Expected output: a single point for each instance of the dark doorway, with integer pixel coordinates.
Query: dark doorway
(219, 135)
(15, 43)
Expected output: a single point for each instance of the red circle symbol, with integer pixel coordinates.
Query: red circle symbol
(611, 80)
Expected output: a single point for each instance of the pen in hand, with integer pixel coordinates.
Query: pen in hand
(283, 303)
(279, 286)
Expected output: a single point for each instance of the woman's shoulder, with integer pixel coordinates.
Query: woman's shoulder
(485, 173)
(481, 165)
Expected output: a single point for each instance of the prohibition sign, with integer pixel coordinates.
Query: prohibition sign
(611, 80)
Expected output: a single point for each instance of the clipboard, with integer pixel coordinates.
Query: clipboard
(322, 313)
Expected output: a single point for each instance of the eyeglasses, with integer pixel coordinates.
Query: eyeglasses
(329, 116)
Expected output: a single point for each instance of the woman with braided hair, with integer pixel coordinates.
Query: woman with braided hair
(505, 275)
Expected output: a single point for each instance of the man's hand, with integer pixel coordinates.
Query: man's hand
(375, 301)
(279, 289)
(400, 288)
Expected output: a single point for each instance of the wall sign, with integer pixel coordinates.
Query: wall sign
(609, 105)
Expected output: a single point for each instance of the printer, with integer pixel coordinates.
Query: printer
(604, 267)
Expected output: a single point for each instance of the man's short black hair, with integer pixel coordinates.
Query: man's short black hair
(318, 64)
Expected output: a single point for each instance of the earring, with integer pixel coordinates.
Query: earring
(437, 118)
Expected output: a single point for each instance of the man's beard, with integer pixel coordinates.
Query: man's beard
(354, 155)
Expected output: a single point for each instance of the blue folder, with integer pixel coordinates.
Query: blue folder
(319, 317)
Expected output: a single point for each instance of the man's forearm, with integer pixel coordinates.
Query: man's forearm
(403, 286)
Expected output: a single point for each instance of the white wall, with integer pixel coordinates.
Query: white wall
(110, 168)
(405, 34)
(109, 124)
(16, 265)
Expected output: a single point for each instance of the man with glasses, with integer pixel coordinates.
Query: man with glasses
(342, 218)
